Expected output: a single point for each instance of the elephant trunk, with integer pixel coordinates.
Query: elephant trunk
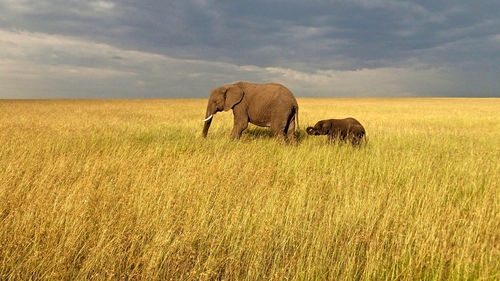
(208, 121)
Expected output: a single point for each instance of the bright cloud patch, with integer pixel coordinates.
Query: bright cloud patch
(103, 5)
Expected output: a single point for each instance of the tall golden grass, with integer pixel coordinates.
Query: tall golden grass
(128, 189)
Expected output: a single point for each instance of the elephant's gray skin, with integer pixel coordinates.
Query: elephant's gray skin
(341, 129)
(265, 105)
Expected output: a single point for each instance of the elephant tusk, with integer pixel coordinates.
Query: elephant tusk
(208, 118)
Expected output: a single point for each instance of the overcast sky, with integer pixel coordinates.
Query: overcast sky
(158, 48)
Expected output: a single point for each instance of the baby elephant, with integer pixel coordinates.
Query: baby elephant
(343, 129)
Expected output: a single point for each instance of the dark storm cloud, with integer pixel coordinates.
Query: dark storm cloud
(457, 41)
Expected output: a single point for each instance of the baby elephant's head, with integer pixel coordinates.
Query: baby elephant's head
(319, 129)
(312, 131)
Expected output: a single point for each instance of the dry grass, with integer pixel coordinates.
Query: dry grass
(128, 189)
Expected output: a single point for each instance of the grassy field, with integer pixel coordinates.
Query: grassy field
(128, 189)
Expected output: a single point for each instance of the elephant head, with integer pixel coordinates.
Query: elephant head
(221, 99)
(321, 128)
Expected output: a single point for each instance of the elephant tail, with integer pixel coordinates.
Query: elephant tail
(297, 116)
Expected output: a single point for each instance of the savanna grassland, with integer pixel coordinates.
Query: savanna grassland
(128, 189)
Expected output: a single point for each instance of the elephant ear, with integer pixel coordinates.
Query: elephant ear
(326, 128)
(232, 96)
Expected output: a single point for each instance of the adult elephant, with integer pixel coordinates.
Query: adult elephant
(265, 105)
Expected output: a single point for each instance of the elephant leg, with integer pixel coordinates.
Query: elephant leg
(290, 134)
(278, 129)
(343, 136)
(331, 138)
(283, 123)
(240, 123)
(238, 129)
(335, 136)
(355, 141)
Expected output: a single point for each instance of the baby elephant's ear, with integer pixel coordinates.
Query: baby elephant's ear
(233, 96)
(325, 128)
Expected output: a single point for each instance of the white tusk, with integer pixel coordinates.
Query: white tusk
(208, 118)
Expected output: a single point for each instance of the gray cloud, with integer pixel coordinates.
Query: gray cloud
(317, 48)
